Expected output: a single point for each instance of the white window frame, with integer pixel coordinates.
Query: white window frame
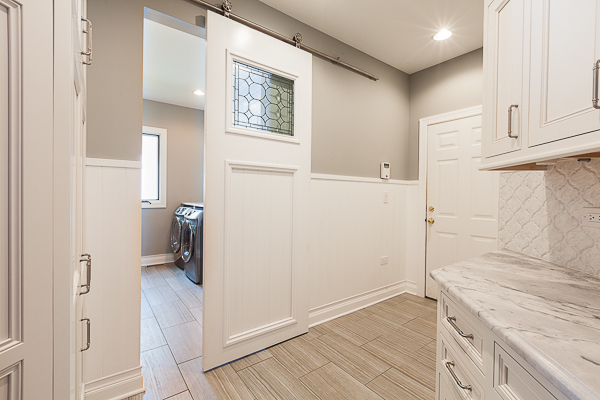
(162, 174)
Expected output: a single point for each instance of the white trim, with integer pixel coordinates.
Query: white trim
(449, 116)
(157, 259)
(162, 174)
(117, 386)
(327, 312)
(422, 201)
(326, 177)
(106, 162)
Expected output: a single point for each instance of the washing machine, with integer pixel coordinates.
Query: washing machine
(176, 230)
(192, 250)
(196, 206)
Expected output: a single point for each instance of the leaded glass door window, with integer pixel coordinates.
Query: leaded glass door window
(262, 100)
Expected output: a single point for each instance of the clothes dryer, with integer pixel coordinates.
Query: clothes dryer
(176, 231)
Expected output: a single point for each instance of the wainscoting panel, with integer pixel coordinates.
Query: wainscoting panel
(352, 228)
(259, 227)
(112, 235)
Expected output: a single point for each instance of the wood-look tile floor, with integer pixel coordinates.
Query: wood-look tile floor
(385, 351)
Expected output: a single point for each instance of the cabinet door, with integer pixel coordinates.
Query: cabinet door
(506, 63)
(564, 47)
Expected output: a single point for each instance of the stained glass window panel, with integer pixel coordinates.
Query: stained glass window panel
(262, 100)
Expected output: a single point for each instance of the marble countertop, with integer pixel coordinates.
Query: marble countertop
(549, 315)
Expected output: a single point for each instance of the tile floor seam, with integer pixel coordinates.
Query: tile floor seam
(391, 366)
(176, 394)
(420, 307)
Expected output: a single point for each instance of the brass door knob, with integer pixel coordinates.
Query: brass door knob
(430, 221)
(431, 209)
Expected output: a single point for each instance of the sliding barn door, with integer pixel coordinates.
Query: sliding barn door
(257, 193)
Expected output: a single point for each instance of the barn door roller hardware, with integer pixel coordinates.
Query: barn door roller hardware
(226, 9)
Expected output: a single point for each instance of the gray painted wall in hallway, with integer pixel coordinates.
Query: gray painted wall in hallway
(357, 123)
(449, 86)
(185, 169)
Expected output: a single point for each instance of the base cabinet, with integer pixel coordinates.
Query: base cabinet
(474, 364)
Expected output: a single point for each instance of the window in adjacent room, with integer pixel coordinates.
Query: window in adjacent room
(154, 167)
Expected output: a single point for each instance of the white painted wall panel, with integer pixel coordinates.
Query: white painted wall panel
(4, 235)
(112, 235)
(415, 243)
(112, 273)
(260, 242)
(351, 229)
(133, 276)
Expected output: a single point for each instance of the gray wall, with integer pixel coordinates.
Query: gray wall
(185, 169)
(449, 86)
(357, 123)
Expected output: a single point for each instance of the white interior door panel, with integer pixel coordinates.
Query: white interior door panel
(464, 199)
(257, 191)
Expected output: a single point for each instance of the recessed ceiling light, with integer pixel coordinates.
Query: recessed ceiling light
(442, 35)
(198, 92)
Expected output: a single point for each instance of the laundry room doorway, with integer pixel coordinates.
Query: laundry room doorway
(172, 187)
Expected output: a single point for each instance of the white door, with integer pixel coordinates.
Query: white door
(506, 59)
(565, 45)
(464, 200)
(257, 191)
(26, 191)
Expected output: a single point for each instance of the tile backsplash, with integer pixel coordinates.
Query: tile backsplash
(540, 214)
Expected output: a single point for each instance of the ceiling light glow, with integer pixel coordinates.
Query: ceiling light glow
(442, 35)
(198, 92)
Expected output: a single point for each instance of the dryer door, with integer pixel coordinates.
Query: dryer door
(176, 234)
(187, 242)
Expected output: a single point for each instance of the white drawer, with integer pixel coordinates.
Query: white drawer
(453, 368)
(445, 390)
(513, 382)
(466, 330)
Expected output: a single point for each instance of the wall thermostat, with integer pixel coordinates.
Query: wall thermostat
(385, 170)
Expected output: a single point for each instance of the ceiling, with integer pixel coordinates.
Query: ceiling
(173, 65)
(397, 32)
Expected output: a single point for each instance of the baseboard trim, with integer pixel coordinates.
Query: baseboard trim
(107, 162)
(411, 287)
(327, 312)
(158, 259)
(117, 386)
(343, 178)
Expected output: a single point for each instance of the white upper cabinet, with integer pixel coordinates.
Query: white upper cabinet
(506, 27)
(539, 83)
(564, 49)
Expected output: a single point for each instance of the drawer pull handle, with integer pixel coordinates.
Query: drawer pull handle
(449, 364)
(595, 86)
(87, 322)
(510, 108)
(451, 321)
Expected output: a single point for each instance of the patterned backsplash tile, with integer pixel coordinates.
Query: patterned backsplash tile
(540, 214)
